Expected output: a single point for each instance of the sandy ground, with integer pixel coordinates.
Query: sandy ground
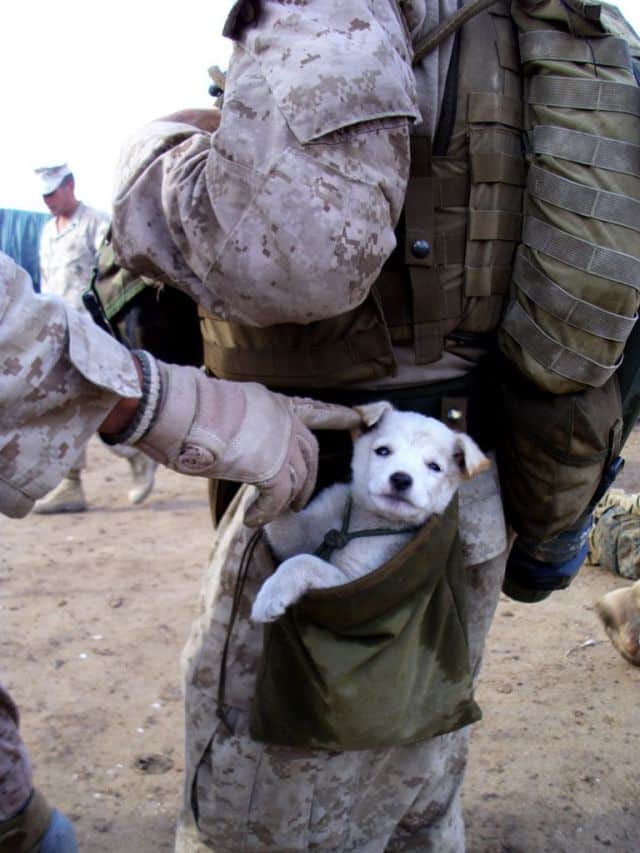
(95, 610)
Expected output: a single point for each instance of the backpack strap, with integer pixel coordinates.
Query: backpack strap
(447, 28)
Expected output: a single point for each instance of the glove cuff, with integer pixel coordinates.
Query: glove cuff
(149, 405)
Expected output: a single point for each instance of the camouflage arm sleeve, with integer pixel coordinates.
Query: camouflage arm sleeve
(60, 375)
(286, 213)
(15, 767)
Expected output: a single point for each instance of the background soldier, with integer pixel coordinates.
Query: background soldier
(68, 247)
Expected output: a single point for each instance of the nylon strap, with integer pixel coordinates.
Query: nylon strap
(508, 56)
(362, 346)
(451, 192)
(566, 306)
(426, 293)
(494, 225)
(489, 107)
(581, 94)
(588, 149)
(447, 28)
(489, 168)
(551, 354)
(491, 139)
(428, 312)
(580, 254)
(486, 281)
(586, 201)
(335, 540)
(554, 45)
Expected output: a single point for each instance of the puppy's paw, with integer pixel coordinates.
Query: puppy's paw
(270, 603)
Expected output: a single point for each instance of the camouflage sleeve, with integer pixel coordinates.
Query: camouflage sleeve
(60, 375)
(101, 227)
(16, 778)
(287, 212)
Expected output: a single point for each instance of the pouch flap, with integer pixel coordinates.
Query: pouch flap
(344, 64)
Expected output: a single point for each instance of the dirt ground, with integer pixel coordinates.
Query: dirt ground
(95, 610)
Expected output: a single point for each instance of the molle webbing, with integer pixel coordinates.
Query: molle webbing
(464, 200)
(350, 348)
(609, 154)
(576, 282)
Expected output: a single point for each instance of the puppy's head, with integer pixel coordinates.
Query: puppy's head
(407, 466)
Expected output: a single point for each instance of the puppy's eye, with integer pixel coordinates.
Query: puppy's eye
(433, 466)
(382, 451)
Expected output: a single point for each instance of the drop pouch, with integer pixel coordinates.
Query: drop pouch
(378, 662)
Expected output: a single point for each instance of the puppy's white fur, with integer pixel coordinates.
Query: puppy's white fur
(405, 468)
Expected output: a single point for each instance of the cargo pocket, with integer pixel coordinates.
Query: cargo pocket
(378, 662)
(552, 452)
(246, 796)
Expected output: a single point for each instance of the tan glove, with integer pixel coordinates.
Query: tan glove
(233, 431)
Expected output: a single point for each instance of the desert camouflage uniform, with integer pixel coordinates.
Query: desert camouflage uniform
(67, 257)
(60, 375)
(614, 539)
(286, 214)
(15, 767)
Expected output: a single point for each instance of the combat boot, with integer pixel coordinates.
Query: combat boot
(143, 473)
(68, 496)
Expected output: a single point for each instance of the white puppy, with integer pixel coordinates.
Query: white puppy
(405, 468)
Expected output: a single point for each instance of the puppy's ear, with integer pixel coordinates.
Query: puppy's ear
(468, 456)
(371, 414)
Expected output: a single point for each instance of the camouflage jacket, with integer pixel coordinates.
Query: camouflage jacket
(60, 375)
(287, 212)
(67, 257)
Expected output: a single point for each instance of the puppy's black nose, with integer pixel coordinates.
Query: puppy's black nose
(401, 481)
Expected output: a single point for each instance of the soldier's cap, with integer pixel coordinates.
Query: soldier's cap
(51, 177)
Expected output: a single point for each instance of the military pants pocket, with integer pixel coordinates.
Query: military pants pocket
(248, 797)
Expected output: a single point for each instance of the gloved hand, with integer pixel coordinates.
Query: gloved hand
(535, 570)
(232, 431)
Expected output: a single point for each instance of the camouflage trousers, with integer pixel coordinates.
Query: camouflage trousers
(15, 767)
(615, 534)
(259, 798)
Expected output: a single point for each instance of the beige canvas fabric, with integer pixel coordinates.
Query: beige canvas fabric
(61, 375)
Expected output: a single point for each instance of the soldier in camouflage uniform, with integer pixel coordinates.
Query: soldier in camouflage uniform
(284, 217)
(68, 247)
(61, 379)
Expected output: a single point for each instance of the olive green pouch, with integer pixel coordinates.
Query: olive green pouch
(552, 451)
(377, 662)
(143, 313)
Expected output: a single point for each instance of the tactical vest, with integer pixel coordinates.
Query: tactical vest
(456, 241)
(539, 105)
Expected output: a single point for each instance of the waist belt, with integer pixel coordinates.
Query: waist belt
(463, 404)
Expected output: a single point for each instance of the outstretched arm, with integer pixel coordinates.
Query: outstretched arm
(63, 378)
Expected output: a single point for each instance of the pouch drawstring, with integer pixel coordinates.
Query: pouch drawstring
(334, 540)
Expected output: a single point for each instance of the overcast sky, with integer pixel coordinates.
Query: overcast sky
(78, 76)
